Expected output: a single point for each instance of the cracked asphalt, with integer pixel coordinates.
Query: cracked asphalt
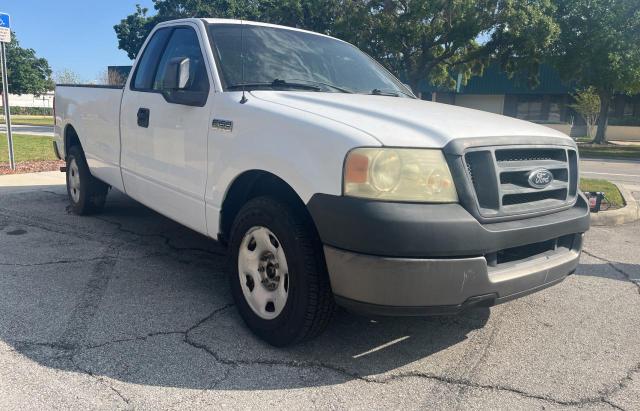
(128, 310)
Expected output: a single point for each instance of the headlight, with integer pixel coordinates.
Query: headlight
(399, 174)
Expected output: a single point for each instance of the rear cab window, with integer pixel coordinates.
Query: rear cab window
(146, 68)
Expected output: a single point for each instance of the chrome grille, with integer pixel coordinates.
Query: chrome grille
(499, 177)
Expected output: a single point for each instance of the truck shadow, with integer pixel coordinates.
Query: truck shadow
(134, 297)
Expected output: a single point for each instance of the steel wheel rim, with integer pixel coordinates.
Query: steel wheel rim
(74, 180)
(263, 272)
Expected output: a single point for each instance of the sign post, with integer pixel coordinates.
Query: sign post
(5, 37)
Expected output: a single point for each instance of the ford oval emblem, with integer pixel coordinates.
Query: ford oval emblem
(540, 178)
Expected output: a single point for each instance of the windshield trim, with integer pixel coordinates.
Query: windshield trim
(406, 92)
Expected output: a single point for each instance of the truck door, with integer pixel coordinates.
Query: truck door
(164, 123)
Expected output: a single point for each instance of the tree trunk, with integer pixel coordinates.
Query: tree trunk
(605, 102)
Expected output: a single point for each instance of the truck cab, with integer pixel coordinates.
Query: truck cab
(327, 179)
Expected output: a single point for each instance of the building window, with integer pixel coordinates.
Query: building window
(556, 105)
(529, 107)
(547, 108)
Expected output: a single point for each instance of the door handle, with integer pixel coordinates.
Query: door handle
(143, 117)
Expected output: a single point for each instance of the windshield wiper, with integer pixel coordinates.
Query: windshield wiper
(378, 92)
(277, 83)
(333, 86)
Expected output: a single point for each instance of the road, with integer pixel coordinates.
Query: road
(621, 171)
(45, 131)
(130, 310)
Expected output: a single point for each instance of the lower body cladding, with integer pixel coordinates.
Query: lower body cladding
(426, 259)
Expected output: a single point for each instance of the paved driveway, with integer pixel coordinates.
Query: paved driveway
(130, 310)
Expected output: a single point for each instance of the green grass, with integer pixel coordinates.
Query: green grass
(27, 148)
(610, 190)
(609, 151)
(30, 120)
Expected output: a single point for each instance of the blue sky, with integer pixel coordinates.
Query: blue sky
(73, 34)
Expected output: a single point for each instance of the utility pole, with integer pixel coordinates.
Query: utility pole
(5, 37)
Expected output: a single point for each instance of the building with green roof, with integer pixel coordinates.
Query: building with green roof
(548, 102)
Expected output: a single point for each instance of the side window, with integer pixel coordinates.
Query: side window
(149, 61)
(184, 44)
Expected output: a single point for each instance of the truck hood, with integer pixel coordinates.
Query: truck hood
(404, 122)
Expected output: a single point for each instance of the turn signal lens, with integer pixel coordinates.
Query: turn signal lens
(356, 168)
(399, 174)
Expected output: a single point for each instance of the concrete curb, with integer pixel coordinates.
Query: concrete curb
(624, 215)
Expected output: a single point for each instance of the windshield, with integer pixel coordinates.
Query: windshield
(277, 58)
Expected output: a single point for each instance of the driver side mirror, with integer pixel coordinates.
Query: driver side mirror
(177, 74)
(178, 83)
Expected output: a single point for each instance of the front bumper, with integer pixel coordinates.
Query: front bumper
(404, 286)
(419, 259)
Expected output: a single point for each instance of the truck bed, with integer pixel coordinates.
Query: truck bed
(94, 113)
(91, 86)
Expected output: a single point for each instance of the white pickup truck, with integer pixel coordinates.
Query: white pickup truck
(328, 181)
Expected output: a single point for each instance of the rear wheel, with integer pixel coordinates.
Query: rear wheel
(87, 194)
(278, 274)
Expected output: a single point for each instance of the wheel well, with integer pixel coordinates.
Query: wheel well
(70, 139)
(252, 184)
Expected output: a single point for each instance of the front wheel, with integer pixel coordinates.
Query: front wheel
(278, 275)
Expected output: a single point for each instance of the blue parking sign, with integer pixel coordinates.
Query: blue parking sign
(5, 21)
(5, 28)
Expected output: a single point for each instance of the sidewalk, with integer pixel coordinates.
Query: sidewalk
(31, 181)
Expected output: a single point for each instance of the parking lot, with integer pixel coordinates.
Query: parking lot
(130, 310)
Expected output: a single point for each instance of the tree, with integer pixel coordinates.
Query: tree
(420, 40)
(310, 14)
(67, 76)
(27, 74)
(435, 41)
(598, 47)
(132, 30)
(587, 104)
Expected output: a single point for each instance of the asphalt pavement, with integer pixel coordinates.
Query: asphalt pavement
(44, 131)
(129, 310)
(620, 171)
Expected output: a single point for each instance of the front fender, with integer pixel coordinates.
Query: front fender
(305, 150)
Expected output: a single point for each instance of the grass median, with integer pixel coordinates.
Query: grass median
(609, 151)
(609, 189)
(27, 148)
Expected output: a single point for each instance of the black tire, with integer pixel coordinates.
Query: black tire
(89, 196)
(310, 306)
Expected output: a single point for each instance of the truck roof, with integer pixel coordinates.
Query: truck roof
(253, 23)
